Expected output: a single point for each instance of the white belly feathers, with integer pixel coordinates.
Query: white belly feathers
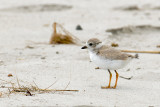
(107, 63)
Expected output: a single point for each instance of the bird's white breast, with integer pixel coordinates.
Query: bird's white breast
(107, 63)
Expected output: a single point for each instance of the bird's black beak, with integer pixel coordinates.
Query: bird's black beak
(84, 47)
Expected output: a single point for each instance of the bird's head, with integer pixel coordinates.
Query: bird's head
(92, 44)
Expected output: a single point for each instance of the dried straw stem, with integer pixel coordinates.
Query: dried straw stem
(36, 89)
(149, 52)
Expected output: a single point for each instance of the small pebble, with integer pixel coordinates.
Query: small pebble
(158, 46)
(1, 62)
(43, 57)
(57, 52)
(10, 75)
(138, 68)
(128, 69)
(97, 68)
(114, 45)
(78, 27)
(30, 47)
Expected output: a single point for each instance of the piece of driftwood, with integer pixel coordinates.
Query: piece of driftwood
(149, 52)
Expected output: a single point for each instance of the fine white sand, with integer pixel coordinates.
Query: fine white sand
(24, 27)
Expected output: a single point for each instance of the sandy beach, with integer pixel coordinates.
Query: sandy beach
(25, 52)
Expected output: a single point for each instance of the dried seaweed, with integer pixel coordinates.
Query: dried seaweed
(28, 90)
(59, 38)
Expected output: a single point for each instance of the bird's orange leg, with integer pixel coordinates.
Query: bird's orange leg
(117, 75)
(109, 85)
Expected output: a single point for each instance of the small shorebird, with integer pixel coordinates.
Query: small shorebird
(107, 58)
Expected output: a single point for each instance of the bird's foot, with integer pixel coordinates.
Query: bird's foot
(108, 87)
(105, 87)
(114, 87)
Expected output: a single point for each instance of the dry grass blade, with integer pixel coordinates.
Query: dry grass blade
(35, 85)
(67, 85)
(133, 51)
(68, 33)
(57, 90)
(51, 85)
(6, 81)
(17, 81)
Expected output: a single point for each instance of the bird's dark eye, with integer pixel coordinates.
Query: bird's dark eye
(90, 44)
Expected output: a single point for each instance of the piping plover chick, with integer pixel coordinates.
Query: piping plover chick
(107, 58)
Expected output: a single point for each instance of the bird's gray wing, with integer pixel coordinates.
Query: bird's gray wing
(113, 54)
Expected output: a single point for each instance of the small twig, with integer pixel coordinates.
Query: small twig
(19, 90)
(133, 51)
(28, 93)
